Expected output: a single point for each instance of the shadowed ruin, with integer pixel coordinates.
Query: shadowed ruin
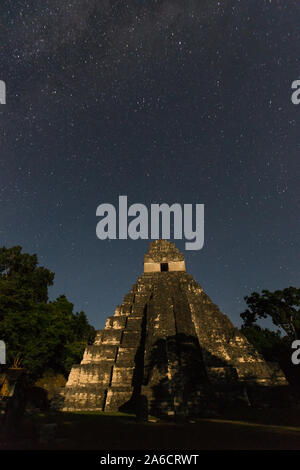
(167, 349)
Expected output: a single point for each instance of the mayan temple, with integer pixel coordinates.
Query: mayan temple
(169, 344)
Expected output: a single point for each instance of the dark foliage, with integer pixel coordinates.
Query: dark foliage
(39, 335)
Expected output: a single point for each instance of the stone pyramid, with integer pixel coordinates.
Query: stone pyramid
(169, 345)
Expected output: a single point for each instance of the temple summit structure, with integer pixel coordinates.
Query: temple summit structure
(169, 346)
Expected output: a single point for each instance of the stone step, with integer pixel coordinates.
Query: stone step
(116, 322)
(84, 398)
(117, 397)
(90, 373)
(109, 336)
(122, 376)
(126, 355)
(134, 323)
(86, 388)
(131, 338)
(99, 353)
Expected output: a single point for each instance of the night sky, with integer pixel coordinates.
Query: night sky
(163, 101)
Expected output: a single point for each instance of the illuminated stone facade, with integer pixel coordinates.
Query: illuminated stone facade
(170, 344)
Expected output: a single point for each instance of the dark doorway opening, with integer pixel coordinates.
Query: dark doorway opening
(164, 267)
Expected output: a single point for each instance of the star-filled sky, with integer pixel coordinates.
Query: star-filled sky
(162, 101)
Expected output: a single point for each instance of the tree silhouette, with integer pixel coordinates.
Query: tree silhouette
(42, 335)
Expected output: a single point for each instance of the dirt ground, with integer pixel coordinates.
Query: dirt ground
(101, 431)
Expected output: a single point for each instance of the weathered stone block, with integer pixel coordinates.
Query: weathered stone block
(116, 322)
(109, 337)
(91, 373)
(99, 353)
(122, 376)
(130, 339)
(126, 356)
(134, 323)
(117, 397)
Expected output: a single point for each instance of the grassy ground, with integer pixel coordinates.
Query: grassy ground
(244, 429)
